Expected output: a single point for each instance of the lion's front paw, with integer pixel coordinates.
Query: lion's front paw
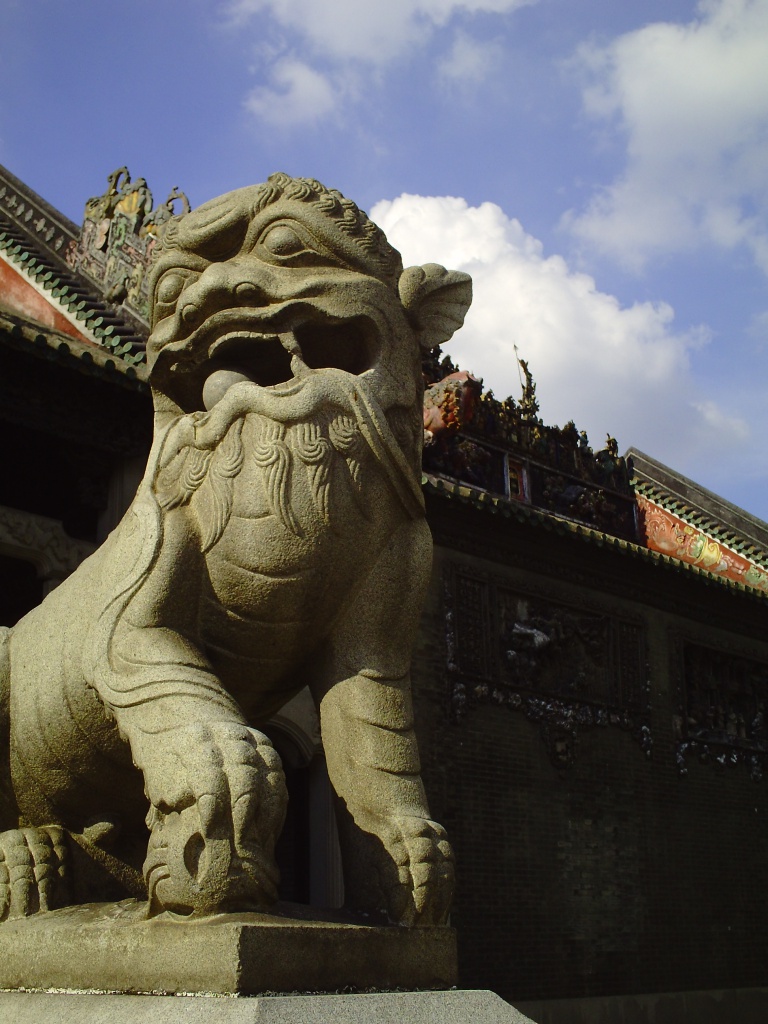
(425, 873)
(218, 802)
(33, 871)
(409, 868)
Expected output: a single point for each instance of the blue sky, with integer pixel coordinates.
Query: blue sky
(599, 167)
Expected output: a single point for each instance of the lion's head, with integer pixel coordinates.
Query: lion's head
(276, 282)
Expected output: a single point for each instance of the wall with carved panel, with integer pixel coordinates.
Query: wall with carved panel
(593, 737)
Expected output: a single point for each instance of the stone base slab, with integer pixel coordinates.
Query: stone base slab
(381, 1008)
(116, 948)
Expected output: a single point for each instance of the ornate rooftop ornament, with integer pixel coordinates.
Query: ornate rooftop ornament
(505, 448)
(120, 235)
(529, 405)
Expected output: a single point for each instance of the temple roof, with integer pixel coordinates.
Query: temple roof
(78, 297)
(35, 217)
(94, 277)
(699, 507)
(56, 346)
(501, 456)
(451, 490)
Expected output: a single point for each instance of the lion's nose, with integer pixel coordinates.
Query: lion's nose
(220, 286)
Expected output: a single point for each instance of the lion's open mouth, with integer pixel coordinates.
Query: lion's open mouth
(269, 360)
(241, 353)
(262, 359)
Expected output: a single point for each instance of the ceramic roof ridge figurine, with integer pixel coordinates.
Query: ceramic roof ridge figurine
(277, 539)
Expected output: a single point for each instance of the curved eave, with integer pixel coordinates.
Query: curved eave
(49, 344)
(95, 317)
(551, 523)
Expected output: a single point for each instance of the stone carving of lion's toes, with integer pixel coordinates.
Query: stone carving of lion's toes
(218, 803)
(33, 871)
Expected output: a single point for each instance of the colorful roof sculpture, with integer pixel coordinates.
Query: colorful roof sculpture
(121, 230)
(89, 282)
(506, 449)
(499, 455)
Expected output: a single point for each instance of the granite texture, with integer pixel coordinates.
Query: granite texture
(457, 1007)
(277, 540)
(117, 948)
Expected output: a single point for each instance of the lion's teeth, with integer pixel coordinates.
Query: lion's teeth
(298, 366)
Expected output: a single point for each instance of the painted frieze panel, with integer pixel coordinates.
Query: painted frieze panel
(722, 708)
(667, 533)
(568, 668)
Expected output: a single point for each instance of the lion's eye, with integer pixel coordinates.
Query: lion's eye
(285, 243)
(282, 240)
(170, 286)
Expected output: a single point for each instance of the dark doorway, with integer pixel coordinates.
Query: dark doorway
(20, 589)
(293, 847)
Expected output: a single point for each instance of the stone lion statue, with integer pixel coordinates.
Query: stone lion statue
(277, 540)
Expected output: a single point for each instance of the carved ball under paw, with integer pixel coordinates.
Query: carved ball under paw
(33, 871)
(212, 842)
(191, 873)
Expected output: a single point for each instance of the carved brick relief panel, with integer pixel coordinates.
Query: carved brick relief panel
(721, 715)
(568, 668)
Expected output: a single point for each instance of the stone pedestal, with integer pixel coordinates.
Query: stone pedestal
(115, 948)
(380, 1008)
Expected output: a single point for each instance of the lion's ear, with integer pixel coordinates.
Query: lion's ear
(436, 301)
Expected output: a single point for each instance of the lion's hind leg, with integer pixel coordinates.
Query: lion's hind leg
(33, 871)
(33, 861)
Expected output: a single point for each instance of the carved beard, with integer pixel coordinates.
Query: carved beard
(330, 448)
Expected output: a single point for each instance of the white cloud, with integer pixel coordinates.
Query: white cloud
(366, 29)
(297, 94)
(623, 370)
(347, 37)
(468, 60)
(691, 101)
(732, 426)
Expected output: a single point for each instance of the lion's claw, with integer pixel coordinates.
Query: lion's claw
(425, 854)
(33, 871)
(414, 864)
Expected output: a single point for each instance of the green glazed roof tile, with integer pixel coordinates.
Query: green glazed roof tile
(52, 344)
